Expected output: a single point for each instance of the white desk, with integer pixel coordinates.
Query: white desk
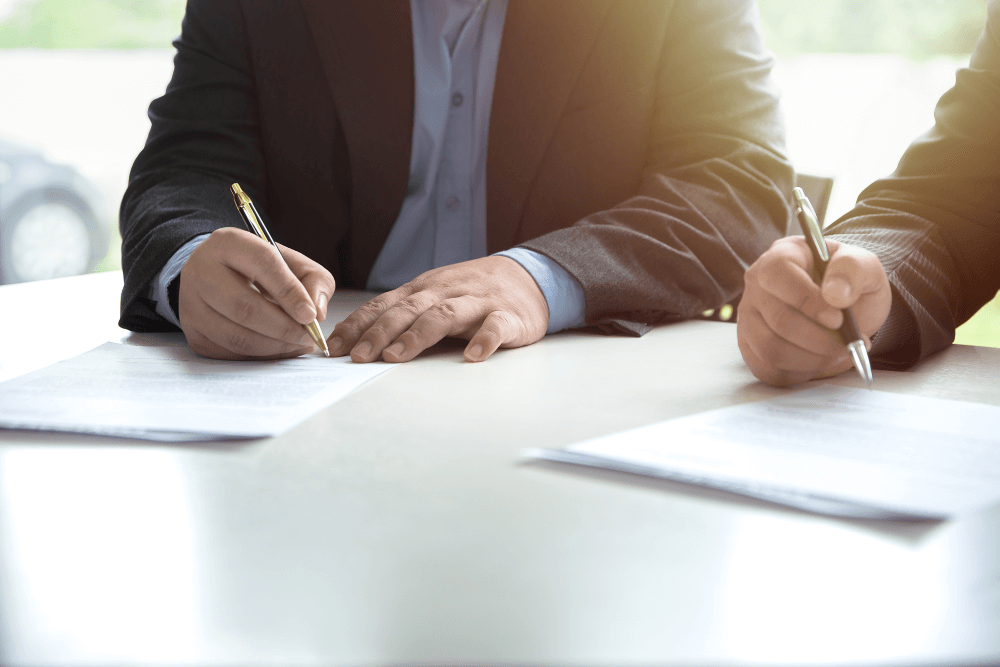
(399, 526)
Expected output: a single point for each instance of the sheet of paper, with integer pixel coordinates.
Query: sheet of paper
(828, 449)
(169, 393)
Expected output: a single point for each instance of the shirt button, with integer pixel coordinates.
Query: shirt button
(457, 99)
(452, 203)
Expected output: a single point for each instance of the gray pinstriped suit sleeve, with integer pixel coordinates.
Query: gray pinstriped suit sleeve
(935, 222)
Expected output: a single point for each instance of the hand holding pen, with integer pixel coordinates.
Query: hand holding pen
(790, 327)
(255, 224)
(853, 339)
(242, 299)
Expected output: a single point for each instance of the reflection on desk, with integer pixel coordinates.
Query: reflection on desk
(398, 526)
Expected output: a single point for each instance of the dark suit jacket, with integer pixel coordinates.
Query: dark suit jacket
(935, 222)
(638, 144)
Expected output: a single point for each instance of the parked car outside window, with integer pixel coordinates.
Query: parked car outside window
(49, 227)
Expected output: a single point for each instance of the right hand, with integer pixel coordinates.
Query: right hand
(239, 300)
(787, 324)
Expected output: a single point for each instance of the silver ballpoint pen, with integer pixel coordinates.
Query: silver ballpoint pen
(821, 256)
(255, 224)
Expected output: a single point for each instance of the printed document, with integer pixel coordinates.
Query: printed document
(169, 393)
(829, 449)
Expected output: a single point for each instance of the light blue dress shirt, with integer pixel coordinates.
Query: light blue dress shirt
(456, 46)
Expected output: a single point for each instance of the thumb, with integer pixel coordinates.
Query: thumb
(851, 273)
(838, 290)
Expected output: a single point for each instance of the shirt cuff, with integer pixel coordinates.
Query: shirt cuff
(171, 270)
(562, 292)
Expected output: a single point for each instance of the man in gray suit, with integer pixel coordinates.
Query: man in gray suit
(917, 256)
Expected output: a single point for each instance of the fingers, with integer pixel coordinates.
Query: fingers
(498, 329)
(785, 328)
(491, 301)
(451, 317)
(790, 325)
(767, 372)
(316, 279)
(258, 262)
(415, 323)
(265, 267)
(855, 279)
(224, 315)
(221, 338)
(779, 362)
(783, 273)
(347, 335)
(851, 273)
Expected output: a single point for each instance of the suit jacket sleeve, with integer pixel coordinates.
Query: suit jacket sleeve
(935, 222)
(715, 189)
(199, 144)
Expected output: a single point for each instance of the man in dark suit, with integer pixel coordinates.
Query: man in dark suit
(634, 169)
(917, 256)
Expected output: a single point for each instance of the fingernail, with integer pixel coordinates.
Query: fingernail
(476, 352)
(362, 349)
(395, 350)
(335, 343)
(321, 304)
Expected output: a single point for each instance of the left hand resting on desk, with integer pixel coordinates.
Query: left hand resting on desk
(492, 302)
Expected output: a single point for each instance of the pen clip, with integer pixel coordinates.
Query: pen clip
(810, 224)
(251, 217)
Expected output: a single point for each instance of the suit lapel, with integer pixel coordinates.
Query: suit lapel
(366, 48)
(544, 46)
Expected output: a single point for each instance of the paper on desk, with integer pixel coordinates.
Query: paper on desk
(169, 393)
(832, 450)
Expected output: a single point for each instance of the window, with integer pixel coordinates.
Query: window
(77, 77)
(859, 78)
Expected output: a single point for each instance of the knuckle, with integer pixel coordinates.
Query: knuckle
(413, 338)
(223, 235)
(347, 331)
(781, 320)
(500, 325)
(373, 309)
(813, 304)
(318, 274)
(288, 291)
(244, 310)
(376, 334)
(240, 342)
(801, 300)
(444, 310)
(412, 306)
(292, 331)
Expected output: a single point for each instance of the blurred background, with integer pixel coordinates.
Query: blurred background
(859, 80)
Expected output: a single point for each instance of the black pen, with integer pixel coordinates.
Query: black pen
(255, 224)
(821, 256)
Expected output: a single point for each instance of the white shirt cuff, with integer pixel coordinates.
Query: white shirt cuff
(167, 274)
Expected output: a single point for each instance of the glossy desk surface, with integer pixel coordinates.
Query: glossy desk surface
(400, 526)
